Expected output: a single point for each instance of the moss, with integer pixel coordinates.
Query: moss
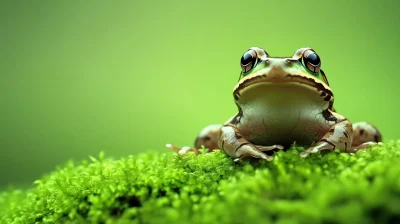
(210, 188)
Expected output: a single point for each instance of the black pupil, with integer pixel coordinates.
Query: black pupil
(247, 58)
(313, 59)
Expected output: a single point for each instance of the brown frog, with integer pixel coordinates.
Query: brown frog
(282, 100)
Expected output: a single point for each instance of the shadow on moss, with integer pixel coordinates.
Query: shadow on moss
(210, 188)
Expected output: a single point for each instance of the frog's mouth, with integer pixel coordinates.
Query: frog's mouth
(297, 84)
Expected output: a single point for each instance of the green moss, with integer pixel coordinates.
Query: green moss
(210, 188)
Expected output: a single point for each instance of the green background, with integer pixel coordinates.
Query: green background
(80, 77)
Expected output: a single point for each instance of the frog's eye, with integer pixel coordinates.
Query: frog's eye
(248, 60)
(311, 61)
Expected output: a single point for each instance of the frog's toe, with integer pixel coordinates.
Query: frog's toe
(250, 151)
(170, 146)
(268, 158)
(320, 147)
(243, 158)
(307, 152)
(280, 147)
(252, 158)
(304, 154)
(182, 151)
(269, 148)
(364, 146)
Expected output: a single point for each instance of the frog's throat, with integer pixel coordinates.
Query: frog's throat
(320, 87)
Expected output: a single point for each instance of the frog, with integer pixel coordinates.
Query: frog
(282, 101)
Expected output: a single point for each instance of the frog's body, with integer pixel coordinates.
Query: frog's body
(281, 101)
(281, 113)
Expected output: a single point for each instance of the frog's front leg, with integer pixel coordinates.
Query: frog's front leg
(236, 146)
(339, 136)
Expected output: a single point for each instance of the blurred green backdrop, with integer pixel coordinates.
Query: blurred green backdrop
(80, 77)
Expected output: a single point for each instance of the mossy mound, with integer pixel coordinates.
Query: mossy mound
(210, 188)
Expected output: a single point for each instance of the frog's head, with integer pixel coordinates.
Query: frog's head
(284, 78)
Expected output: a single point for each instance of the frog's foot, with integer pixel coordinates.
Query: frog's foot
(236, 145)
(321, 146)
(364, 146)
(184, 150)
(248, 151)
(339, 136)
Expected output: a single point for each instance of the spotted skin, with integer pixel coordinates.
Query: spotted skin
(208, 137)
(281, 101)
(365, 135)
